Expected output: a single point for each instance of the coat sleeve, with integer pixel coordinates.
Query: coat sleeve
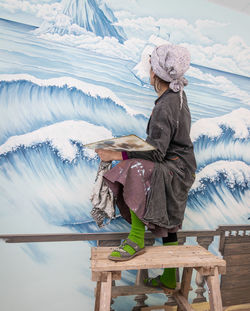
(160, 130)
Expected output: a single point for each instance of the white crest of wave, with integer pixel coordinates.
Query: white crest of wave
(60, 136)
(238, 120)
(236, 172)
(221, 83)
(87, 88)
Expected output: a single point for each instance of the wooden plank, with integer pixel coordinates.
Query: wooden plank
(235, 260)
(97, 296)
(235, 296)
(182, 295)
(222, 270)
(164, 257)
(182, 302)
(138, 263)
(164, 252)
(234, 227)
(102, 276)
(189, 257)
(237, 239)
(103, 252)
(105, 296)
(213, 283)
(185, 281)
(135, 265)
(154, 249)
(203, 306)
(205, 270)
(230, 282)
(229, 300)
(137, 290)
(238, 270)
(237, 248)
(66, 237)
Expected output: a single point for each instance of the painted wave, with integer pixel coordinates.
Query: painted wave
(44, 102)
(220, 83)
(64, 138)
(52, 163)
(222, 138)
(220, 195)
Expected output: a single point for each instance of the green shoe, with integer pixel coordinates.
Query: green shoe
(125, 255)
(156, 283)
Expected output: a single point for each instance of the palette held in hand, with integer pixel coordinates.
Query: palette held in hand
(124, 143)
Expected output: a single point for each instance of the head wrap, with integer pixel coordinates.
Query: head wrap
(170, 62)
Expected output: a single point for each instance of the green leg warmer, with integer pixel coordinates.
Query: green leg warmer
(168, 278)
(136, 235)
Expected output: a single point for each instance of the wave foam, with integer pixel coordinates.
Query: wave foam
(87, 88)
(235, 172)
(238, 121)
(60, 136)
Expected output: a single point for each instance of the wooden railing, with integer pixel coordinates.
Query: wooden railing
(202, 237)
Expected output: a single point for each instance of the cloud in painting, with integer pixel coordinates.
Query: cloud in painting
(232, 56)
(42, 9)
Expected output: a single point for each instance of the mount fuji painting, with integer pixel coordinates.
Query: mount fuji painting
(83, 15)
(74, 72)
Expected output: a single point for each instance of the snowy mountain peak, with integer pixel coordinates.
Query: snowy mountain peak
(87, 14)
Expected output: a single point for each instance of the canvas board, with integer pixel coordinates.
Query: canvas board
(123, 143)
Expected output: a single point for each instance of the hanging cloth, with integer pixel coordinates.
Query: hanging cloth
(102, 197)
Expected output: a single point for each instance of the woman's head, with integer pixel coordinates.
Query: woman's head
(158, 84)
(168, 65)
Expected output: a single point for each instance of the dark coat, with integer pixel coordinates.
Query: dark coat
(168, 131)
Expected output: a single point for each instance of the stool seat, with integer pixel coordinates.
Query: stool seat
(188, 257)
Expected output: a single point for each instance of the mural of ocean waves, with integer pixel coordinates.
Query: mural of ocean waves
(221, 188)
(219, 195)
(77, 78)
(52, 163)
(50, 179)
(62, 99)
(222, 138)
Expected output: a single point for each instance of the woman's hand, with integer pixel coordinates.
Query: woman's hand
(108, 155)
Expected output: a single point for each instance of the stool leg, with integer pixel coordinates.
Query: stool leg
(105, 295)
(185, 284)
(213, 283)
(97, 296)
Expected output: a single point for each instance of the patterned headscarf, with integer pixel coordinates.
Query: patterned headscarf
(170, 62)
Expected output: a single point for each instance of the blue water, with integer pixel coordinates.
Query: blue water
(46, 189)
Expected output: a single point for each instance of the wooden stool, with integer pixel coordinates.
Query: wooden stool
(186, 256)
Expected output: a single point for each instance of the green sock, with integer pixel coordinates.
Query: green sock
(168, 278)
(136, 235)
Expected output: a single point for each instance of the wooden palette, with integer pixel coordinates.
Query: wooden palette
(124, 143)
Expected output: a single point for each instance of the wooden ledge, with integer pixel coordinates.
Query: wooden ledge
(141, 289)
(159, 257)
